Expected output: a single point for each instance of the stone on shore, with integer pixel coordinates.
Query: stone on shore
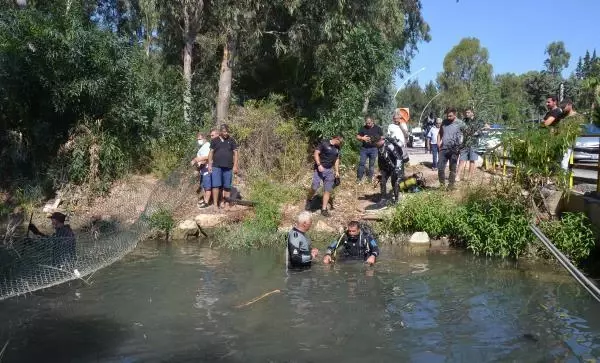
(419, 238)
(321, 226)
(210, 220)
(184, 230)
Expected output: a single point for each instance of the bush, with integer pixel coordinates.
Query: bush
(495, 226)
(432, 212)
(261, 229)
(162, 219)
(268, 140)
(572, 235)
(488, 221)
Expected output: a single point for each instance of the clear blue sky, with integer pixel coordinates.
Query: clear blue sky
(515, 32)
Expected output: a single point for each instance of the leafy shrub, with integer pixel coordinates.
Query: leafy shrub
(572, 234)
(537, 153)
(268, 140)
(162, 219)
(495, 226)
(261, 229)
(431, 212)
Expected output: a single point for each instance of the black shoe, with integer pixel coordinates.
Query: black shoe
(307, 205)
(325, 213)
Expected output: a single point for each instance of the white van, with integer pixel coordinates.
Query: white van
(416, 138)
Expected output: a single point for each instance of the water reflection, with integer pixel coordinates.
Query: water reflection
(180, 303)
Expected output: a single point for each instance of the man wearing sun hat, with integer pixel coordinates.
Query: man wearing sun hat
(62, 240)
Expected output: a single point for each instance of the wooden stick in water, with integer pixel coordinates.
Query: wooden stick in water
(258, 298)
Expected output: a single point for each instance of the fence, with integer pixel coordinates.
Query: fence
(497, 157)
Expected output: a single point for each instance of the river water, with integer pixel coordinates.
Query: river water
(178, 303)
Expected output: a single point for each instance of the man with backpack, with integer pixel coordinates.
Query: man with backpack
(358, 242)
(391, 161)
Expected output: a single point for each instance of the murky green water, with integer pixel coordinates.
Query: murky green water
(178, 304)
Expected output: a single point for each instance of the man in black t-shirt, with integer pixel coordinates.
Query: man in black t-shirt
(554, 112)
(326, 169)
(222, 164)
(368, 150)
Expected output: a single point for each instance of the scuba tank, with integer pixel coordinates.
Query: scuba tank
(412, 183)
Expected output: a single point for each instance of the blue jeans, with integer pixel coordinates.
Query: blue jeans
(221, 177)
(371, 153)
(435, 151)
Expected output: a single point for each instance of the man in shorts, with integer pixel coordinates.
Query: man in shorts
(326, 169)
(222, 164)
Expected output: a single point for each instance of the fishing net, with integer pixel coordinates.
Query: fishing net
(32, 263)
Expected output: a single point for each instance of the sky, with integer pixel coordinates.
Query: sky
(515, 32)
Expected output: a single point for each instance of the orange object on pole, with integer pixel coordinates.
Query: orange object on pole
(405, 113)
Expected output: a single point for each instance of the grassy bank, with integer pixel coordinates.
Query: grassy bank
(491, 220)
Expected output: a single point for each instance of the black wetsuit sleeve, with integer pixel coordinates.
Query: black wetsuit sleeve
(373, 248)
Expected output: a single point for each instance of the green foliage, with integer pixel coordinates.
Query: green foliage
(495, 225)
(537, 152)
(162, 219)
(270, 140)
(466, 71)
(572, 234)
(431, 212)
(486, 221)
(558, 58)
(261, 229)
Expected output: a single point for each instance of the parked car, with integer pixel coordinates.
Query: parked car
(416, 138)
(586, 146)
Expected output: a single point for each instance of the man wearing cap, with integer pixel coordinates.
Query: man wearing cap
(63, 239)
(222, 164)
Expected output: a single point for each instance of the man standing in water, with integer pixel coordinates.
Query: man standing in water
(62, 240)
(299, 251)
(357, 243)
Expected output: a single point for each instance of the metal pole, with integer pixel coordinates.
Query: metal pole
(406, 80)
(427, 105)
(577, 275)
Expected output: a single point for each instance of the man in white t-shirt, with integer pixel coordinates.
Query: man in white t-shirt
(432, 137)
(201, 161)
(398, 130)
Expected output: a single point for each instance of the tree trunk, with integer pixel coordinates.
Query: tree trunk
(225, 78)
(365, 105)
(187, 77)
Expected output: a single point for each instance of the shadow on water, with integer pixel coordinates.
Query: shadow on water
(64, 339)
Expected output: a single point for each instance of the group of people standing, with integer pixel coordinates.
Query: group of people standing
(389, 150)
(217, 163)
(453, 141)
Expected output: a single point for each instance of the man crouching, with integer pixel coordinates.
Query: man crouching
(300, 254)
(356, 243)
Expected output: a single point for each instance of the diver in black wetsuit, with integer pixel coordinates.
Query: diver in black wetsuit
(391, 165)
(299, 252)
(357, 243)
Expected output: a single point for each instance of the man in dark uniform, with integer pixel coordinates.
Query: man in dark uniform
(391, 165)
(62, 240)
(357, 243)
(368, 149)
(326, 170)
(299, 251)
